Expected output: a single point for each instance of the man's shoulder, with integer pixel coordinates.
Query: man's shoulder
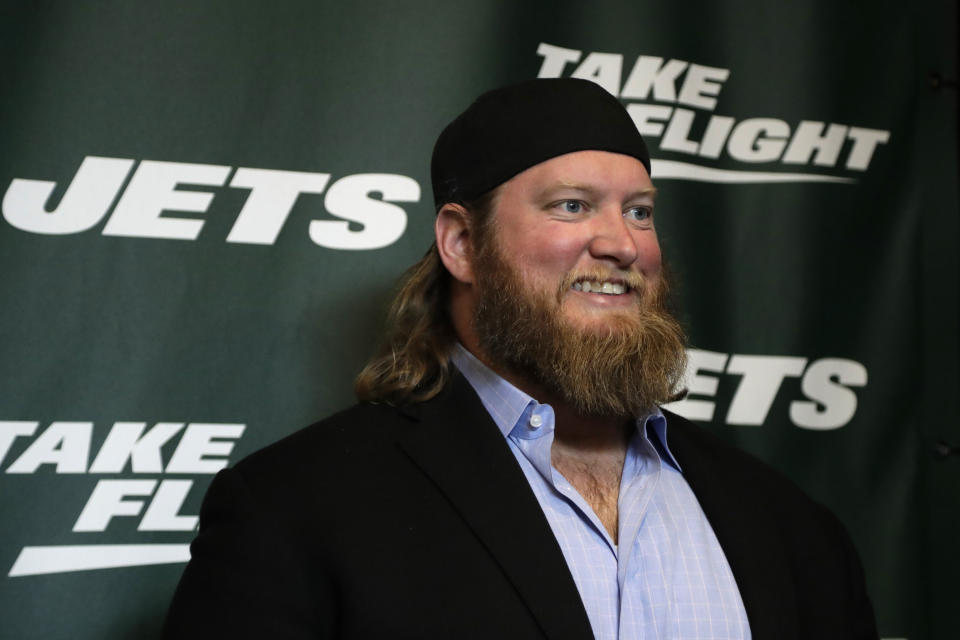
(331, 446)
(365, 441)
(707, 458)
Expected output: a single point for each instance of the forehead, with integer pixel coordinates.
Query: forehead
(613, 174)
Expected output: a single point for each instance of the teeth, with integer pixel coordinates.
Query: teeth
(609, 288)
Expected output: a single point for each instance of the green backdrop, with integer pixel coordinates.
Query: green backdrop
(205, 206)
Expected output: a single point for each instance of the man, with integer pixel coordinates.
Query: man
(508, 473)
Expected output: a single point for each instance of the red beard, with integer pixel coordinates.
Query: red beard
(627, 364)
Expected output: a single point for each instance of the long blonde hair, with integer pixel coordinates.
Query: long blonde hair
(413, 363)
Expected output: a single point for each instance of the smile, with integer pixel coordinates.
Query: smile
(605, 287)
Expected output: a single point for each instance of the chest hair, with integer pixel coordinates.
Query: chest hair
(597, 479)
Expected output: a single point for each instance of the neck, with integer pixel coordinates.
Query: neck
(591, 435)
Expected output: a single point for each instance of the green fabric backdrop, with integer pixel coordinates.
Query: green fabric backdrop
(205, 206)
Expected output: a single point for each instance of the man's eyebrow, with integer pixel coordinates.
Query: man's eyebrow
(650, 192)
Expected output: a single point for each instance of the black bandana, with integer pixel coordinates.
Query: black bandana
(509, 130)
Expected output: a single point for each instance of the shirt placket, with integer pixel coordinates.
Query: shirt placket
(641, 475)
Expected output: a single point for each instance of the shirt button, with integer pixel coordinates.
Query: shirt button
(536, 421)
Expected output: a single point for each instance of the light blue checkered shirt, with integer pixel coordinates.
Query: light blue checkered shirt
(669, 578)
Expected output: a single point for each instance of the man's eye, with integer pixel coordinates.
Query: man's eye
(571, 206)
(640, 214)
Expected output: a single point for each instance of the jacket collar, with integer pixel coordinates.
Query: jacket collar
(459, 447)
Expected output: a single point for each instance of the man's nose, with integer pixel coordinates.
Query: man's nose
(613, 239)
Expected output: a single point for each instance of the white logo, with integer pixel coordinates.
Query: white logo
(750, 140)
(145, 205)
(829, 402)
(203, 448)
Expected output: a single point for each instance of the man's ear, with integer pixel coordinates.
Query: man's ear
(454, 242)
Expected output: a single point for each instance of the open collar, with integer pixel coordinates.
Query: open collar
(457, 445)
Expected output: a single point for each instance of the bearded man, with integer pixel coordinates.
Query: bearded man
(508, 473)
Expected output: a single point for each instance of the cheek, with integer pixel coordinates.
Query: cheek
(648, 258)
(652, 260)
(554, 254)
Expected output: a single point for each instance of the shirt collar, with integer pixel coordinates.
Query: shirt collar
(506, 404)
(503, 401)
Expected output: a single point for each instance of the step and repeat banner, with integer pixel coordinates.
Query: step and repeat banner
(206, 206)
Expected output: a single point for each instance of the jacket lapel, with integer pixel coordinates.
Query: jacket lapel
(460, 448)
(749, 538)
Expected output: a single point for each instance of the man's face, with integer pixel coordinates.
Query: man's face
(584, 217)
(568, 284)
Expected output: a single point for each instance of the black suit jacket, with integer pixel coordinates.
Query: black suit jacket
(418, 523)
